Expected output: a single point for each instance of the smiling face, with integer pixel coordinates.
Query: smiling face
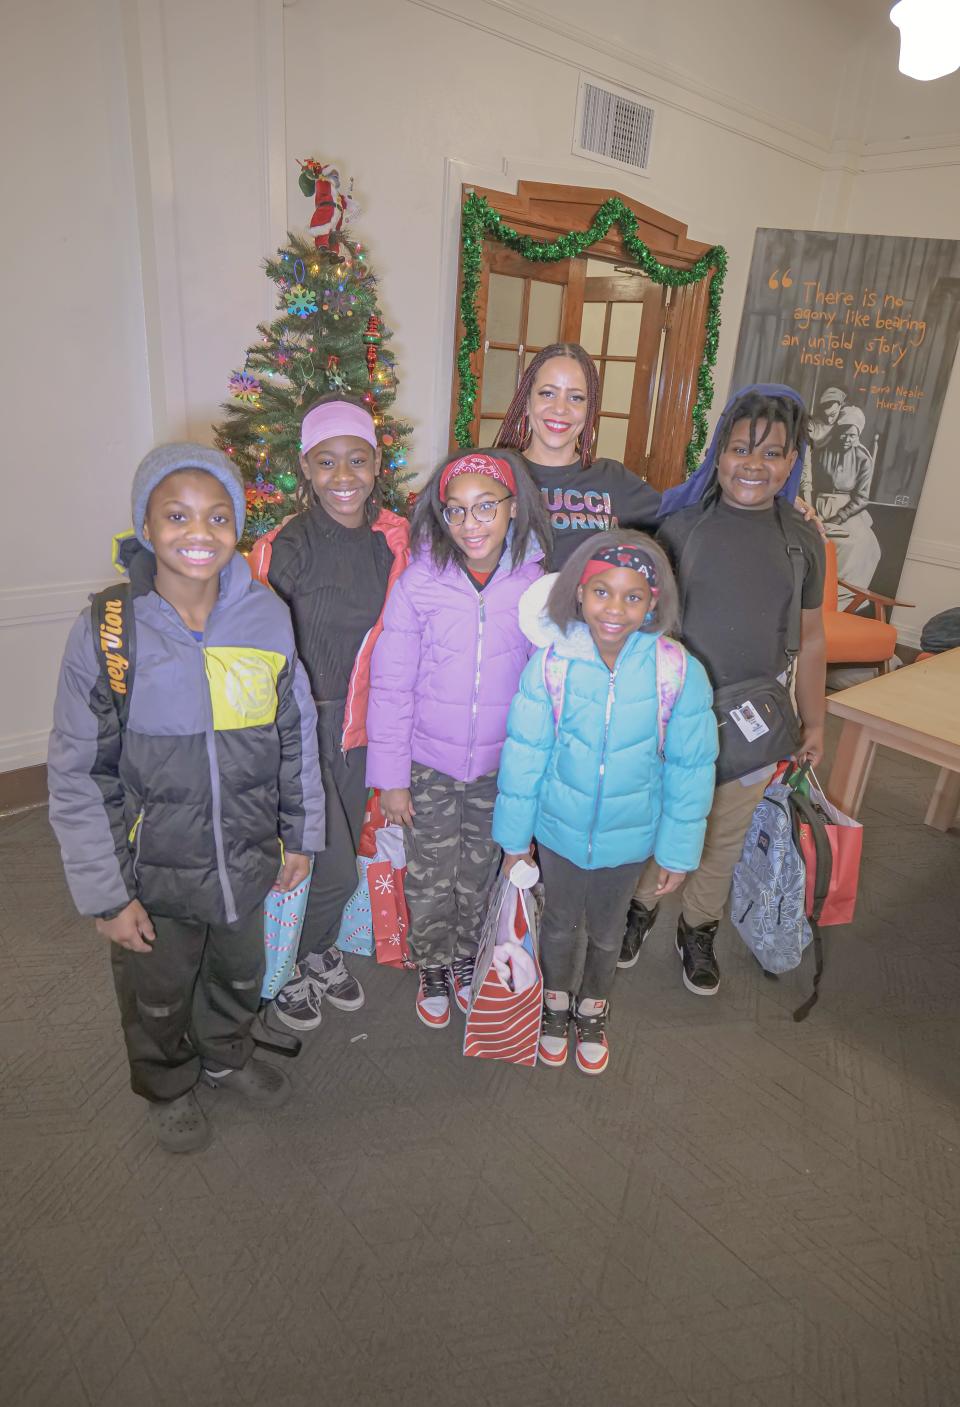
(342, 472)
(752, 476)
(480, 543)
(191, 527)
(613, 605)
(557, 411)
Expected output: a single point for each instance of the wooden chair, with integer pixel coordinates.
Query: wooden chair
(851, 638)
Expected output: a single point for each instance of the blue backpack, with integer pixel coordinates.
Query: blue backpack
(768, 894)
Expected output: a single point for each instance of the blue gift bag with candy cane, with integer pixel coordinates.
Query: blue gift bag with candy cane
(283, 913)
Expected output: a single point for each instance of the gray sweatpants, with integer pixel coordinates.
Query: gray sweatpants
(584, 913)
(452, 861)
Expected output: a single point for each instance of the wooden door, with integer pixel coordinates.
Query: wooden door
(522, 307)
(622, 326)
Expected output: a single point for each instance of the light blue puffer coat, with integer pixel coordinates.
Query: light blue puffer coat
(595, 789)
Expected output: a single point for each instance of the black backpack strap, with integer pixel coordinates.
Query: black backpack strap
(798, 562)
(803, 812)
(115, 641)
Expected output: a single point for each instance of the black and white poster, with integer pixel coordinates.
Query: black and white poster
(865, 327)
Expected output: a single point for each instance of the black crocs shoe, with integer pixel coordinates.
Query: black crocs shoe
(640, 920)
(701, 974)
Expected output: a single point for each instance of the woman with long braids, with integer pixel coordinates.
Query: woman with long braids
(552, 421)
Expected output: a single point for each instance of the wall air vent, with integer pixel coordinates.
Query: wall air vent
(613, 126)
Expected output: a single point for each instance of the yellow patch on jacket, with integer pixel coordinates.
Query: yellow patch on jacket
(243, 685)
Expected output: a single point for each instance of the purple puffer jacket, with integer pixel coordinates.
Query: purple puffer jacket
(445, 671)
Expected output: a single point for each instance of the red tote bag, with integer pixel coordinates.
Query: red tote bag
(845, 838)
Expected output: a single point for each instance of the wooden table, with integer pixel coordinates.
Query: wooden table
(915, 710)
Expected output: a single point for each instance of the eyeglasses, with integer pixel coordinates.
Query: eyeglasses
(484, 512)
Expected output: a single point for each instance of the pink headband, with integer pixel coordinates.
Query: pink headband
(326, 422)
(484, 464)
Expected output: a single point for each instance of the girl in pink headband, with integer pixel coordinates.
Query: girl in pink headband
(334, 564)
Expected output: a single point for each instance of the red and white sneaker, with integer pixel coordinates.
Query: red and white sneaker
(461, 980)
(433, 997)
(590, 1019)
(555, 1030)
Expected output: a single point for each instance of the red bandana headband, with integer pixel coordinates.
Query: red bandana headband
(484, 464)
(635, 559)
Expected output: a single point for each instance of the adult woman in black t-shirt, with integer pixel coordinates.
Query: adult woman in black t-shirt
(552, 420)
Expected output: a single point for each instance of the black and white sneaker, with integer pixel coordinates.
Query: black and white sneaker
(297, 1005)
(640, 920)
(334, 983)
(701, 972)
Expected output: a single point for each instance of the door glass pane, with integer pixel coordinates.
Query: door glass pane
(503, 308)
(543, 319)
(499, 381)
(611, 438)
(618, 387)
(591, 327)
(489, 429)
(624, 329)
(599, 268)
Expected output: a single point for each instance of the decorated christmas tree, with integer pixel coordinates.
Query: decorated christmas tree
(329, 336)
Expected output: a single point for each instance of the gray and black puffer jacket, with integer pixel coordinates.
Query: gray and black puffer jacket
(186, 809)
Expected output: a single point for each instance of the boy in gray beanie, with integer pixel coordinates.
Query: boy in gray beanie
(179, 805)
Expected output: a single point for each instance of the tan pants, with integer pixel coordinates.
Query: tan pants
(705, 891)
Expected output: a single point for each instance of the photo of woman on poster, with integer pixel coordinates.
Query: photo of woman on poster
(842, 475)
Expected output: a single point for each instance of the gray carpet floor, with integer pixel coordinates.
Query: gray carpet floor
(743, 1212)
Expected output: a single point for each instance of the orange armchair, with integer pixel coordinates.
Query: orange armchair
(854, 639)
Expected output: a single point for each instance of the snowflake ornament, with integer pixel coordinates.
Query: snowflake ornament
(245, 387)
(300, 301)
(385, 884)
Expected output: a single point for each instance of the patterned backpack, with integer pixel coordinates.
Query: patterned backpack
(770, 905)
(767, 898)
(671, 672)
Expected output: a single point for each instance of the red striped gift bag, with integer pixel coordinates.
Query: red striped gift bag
(503, 1020)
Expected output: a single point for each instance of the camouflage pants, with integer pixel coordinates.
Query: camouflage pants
(452, 861)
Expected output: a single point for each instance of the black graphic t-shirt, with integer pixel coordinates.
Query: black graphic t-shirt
(581, 502)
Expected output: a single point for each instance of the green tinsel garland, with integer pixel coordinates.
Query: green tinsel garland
(480, 221)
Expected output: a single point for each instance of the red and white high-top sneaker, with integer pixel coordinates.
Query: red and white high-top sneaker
(555, 1030)
(433, 997)
(590, 1019)
(461, 980)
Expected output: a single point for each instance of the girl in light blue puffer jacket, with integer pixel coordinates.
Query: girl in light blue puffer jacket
(609, 759)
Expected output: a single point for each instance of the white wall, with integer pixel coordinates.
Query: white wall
(149, 154)
(74, 369)
(909, 184)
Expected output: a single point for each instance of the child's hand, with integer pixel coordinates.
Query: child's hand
(130, 928)
(509, 860)
(669, 880)
(396, 804)
(294, 872)
(811, 746)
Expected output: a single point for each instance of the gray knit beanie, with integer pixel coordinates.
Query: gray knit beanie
(167, 459)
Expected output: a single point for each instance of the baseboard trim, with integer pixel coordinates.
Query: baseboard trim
(25, 786)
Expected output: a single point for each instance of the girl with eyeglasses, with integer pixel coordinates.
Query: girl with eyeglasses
(443, 675)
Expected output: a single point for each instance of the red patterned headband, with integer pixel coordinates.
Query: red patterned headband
(635, 559)
(484, 464)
